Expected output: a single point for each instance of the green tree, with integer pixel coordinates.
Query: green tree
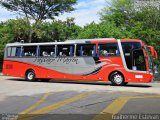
(6, 35)
(103, 30)
(12, 31)
(57, 30)
(140, 22)
(120, 12)
(147, 19)
(16, 29)
(38, 10)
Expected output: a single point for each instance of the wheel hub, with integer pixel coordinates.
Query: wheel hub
(30, 76)
(118, 79)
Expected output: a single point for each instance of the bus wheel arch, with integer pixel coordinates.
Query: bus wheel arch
(117, 78)
(30, 75)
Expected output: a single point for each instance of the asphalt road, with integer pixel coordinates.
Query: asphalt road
(68, 100)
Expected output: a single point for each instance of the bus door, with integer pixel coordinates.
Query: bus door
(138, 60)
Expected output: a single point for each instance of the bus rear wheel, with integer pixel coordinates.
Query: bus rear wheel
(30, 75)
(117, 79)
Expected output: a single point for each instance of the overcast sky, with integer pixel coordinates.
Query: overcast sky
(86, 12)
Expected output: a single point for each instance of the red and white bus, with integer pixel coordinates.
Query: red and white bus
(119, 61)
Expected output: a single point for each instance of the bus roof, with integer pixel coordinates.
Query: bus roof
(78, 41)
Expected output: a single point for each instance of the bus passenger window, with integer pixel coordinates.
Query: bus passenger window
(108, 49)
(13, 51)
(8, 51)
(65, 50)
(29, 51)
(46, 51)
(86, 50)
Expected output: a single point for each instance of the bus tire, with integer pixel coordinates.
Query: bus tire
(117, 79)
(30, 75)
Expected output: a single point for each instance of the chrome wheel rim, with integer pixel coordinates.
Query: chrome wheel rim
(30, 75)
(118, 79)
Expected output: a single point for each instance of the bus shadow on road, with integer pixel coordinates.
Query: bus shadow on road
(84, 82)
(138, 85)
(100, 83)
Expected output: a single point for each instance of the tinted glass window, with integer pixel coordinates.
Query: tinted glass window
(46, 51)
(86, 50)
(65, 50)
(8, 51)
(29, 51)
(13, 51)
(128, 47)
(108, 49)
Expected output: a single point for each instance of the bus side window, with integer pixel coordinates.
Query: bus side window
(8, 51)
(108, 49)
(13, 51)
(47, 51)
(29, 51)
(65, 50)
(18, 51)
(86, 50)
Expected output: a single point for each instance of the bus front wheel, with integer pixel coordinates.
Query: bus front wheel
(117, 79)
(30, 75)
